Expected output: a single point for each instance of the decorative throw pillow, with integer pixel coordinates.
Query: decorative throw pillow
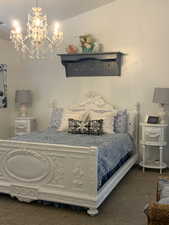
(121, 121)
(96, 127)
(108, 120)
(131, 122)
(56, 117)
(69, 114)
(78, 127)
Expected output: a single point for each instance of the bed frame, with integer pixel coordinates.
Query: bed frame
(59, 173)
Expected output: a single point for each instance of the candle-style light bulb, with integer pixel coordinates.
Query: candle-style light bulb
(56, 27)
(16, 26)
(37, 22)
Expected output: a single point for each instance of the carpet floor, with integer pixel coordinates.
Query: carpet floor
(124, 206)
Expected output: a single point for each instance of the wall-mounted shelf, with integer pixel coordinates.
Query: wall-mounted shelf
(93, 64)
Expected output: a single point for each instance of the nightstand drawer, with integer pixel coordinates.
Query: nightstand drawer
(21, 123)
(24, 125)
(152, 134)
(152, 131)
(19, 130)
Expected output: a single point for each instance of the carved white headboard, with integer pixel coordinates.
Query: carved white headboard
(94, 101)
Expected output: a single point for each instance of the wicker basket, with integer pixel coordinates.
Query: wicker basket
(158, 214)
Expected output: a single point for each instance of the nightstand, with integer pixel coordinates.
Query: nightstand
(153, 136)
(24, 125)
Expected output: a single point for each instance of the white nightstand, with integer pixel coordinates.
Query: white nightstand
(153, 135)
(24, 125)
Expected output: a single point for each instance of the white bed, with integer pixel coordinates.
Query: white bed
(57, 172)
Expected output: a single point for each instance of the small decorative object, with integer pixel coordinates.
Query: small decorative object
(161, 96)
(153, 119)
(87, 43)
(72, 49)
(23, 99)
(98, 47)
(3, 85)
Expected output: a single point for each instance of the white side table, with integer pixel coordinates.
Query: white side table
(24, 125)
(153, 135)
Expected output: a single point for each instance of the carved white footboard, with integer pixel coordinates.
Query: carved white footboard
(59, 173)
(32, 171)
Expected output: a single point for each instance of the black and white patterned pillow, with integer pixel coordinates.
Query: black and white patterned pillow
(93, 127)
(78, 126)
(96, 127)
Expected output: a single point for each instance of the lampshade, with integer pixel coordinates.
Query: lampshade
(161, 95)
(23, 97)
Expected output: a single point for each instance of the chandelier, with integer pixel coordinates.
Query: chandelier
(35, 43)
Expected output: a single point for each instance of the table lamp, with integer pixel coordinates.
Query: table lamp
(161, 96)
(23, 99)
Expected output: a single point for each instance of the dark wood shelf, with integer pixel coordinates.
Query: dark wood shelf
(92, 64)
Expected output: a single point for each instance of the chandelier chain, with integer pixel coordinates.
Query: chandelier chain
(36, 3)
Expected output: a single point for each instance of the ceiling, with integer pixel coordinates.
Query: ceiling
(56, 10)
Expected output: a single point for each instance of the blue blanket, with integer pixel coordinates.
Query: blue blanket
(113, 149)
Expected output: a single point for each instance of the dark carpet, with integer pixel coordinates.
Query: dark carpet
(124, 206)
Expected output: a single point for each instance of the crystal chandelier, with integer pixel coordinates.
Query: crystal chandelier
(35, 43)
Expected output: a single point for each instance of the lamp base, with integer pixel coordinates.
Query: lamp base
(162, 115)
(23, 110)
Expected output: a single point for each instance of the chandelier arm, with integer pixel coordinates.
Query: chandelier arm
(49, 40)
(21, 45)
(26, 47)
(25, 38)
(53, 43)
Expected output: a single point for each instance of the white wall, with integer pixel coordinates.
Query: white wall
(138, 28)
(17, 79)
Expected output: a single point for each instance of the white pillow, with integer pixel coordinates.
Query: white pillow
(108, 120)
(68, 114)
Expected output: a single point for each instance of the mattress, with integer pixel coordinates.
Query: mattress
(113, 149)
